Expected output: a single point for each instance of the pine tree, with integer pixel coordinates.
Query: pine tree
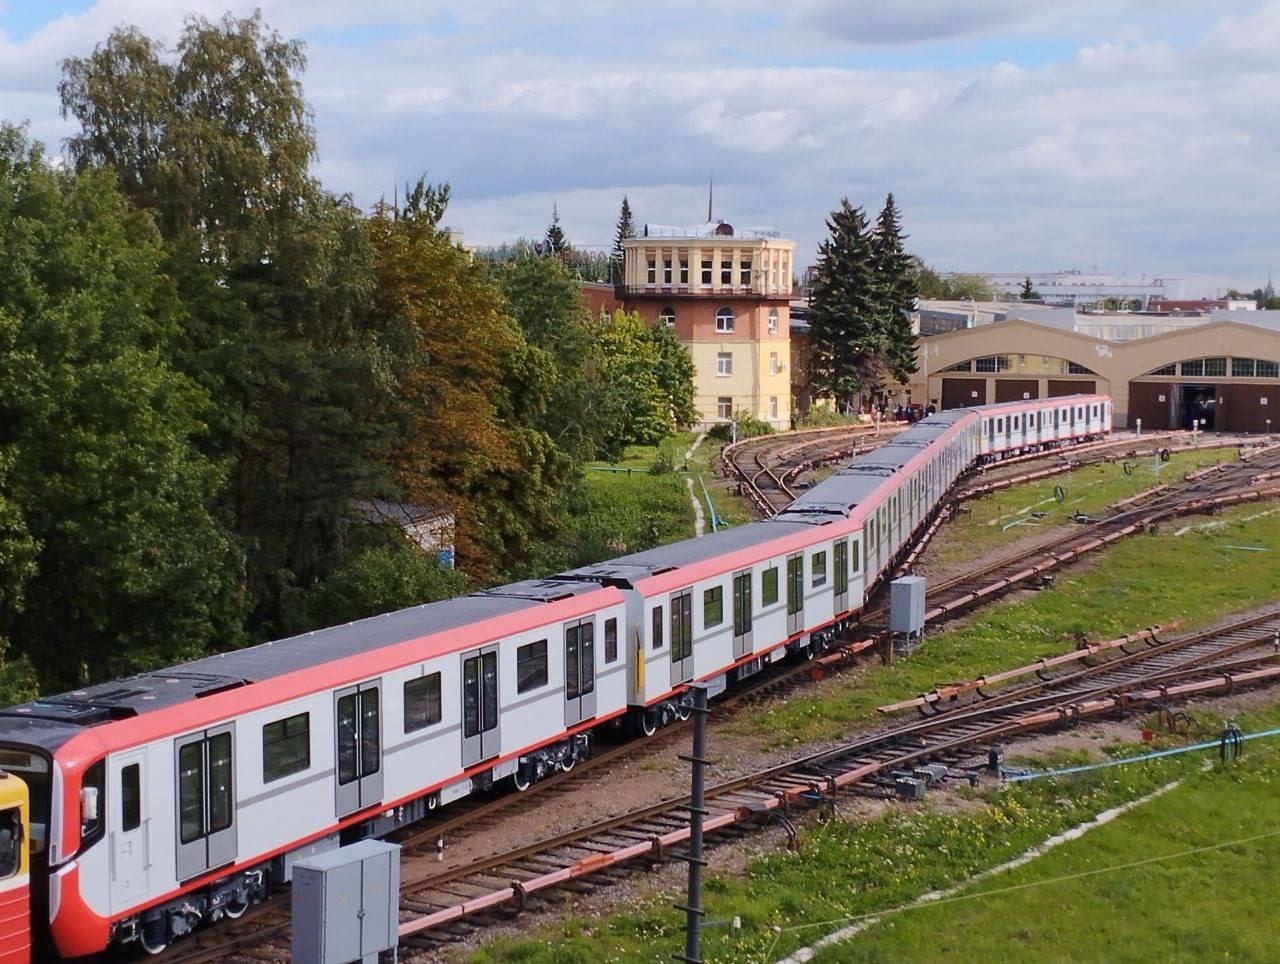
(626, 229)
(557, 243)
(844, 335)
(1028, 293)
(895, 292)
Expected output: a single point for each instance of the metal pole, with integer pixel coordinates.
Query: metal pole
(693, 912)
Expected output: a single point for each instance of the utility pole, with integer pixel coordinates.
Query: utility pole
(693, 912)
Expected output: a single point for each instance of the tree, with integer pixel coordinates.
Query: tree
(844, 335)
(674, 371)
(895, 290)
(107, 501)
(625, 230)
(631, 363)
(1028, 293)
(556, 242)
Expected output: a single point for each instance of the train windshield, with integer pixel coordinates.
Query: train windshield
(34, 769)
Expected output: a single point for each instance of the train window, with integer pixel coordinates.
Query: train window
(611, 640)
(11, 840)
(742, 604)
(286, 747)
(191, 793)
(131, 797)
(531, 666)
(221, 805)
(657, 627)
(92, 785)
(347, 714)
(712, 607)
(681, 626)
(769, 586)
(422, 703)
(840, 561)
(855, 555)
(818, 566)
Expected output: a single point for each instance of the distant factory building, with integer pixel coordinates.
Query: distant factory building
(1078, 288)
(726, 293)
(431, 530)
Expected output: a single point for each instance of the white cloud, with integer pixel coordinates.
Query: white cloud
(1132, 148)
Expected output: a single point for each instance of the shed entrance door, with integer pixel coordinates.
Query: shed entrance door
(742, 613)
(129, 820)
(206, 800)
(479, 705)
(358, 715)
(795, 593)
(840, 579)
(682, 637)
(579, 671)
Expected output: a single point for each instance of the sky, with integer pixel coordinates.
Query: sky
(1133, 136)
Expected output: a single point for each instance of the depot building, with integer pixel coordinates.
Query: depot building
(1222, 371)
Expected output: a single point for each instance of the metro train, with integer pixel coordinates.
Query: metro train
(178, 797)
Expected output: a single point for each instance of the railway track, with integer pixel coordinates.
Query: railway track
(263, 933)
(902, 760)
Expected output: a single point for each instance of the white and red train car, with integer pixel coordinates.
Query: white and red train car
(174, 798)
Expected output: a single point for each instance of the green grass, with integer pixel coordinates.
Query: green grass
(1142, 580)
(1004, 516)
(1218, 903)
(849, 868)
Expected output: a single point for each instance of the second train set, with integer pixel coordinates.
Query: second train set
(177, 797)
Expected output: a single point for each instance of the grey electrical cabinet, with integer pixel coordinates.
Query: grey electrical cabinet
(906, 606)
(346, 904)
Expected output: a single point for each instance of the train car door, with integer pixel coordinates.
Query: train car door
(206, 800)
(840, 579)
(129, 821)
(742, 613)
(479, 705)
(795, 593)
(358, 730)
(579, 671)
(682, 637)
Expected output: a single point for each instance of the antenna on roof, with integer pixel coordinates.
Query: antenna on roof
(711, 185)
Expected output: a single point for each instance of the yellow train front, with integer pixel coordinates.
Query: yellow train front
(15, 874)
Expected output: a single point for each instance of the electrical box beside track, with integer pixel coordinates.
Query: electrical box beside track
(906, 608)
(346, 904)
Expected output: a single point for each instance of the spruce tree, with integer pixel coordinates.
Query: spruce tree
(626, 229)
(1028, 293)
(844, 335)
(557, 243)
(895, 293)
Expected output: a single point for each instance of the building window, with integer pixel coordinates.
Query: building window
(684, 271)
(819, 568)
(773, 363)
(653, 271)
(744, 273)
(724, 320)
(724, 407)
(286, 747)
(773, 406)
(706, 272)
(1166, 370)
(724, 363)
(422, 702)
(1215, 366)
(667, 316)
(769, 586)
(611, 640)
(964, 366)
(666, 272)
(1195, 367)
(1074, 369)
(773, 321)
(1242, 367)
(713, 607)
(993, 363)
(531, 666)
(1268, 369)
(726, 272)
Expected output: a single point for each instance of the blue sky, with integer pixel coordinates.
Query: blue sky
(1137, 136)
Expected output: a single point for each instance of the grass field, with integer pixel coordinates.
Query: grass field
(1005, 516)
(1143, 580)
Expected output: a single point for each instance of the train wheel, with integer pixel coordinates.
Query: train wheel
(150, 948)
(521, 780)
(682, 711)
(648, 725)
(433, 801)
(236, 910)
(568, 764)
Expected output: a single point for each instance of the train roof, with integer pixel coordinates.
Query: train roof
(48, 721)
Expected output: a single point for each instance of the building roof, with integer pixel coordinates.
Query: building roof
(708, 229)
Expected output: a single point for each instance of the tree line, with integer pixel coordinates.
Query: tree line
(209, 362)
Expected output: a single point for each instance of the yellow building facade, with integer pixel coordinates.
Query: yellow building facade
(726, 296)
